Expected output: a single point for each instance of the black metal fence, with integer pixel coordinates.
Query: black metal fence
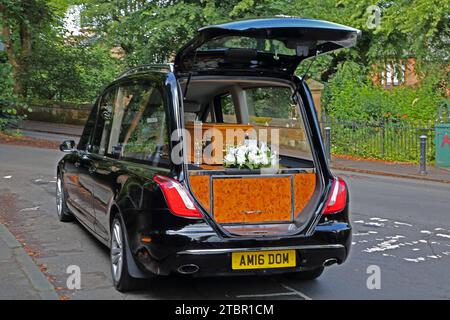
(387, 140)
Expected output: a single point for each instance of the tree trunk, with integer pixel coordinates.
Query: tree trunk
(16, 59)
(15, 64)
(25, 53)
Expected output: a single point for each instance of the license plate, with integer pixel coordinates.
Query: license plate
(263, 259)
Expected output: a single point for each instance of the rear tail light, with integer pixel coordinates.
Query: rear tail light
(338, 197)
(179, 201)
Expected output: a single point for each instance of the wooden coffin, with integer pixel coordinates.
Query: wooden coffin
(257, 199)
(218, 137)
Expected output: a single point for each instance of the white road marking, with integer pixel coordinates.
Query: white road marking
(403, 223)
(395, 237)
(30, 209)
(379, 219)
(7, 177)
(426, 232)
(301, 294)
(365, 233)
(375, 224)
(266, 295)
(385, 245)
(419, 259)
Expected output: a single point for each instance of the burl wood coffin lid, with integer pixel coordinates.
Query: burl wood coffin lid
(219, 129)
(255, 199)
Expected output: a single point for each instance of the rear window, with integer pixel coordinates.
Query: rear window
(259, 44)
(228, 110)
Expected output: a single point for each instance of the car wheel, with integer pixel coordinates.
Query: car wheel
(306, 275)
(122, 280)
(61, 208)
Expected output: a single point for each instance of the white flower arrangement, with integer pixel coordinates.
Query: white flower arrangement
(250, 156)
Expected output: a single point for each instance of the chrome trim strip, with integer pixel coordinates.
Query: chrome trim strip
(228, 250)
(222, 173)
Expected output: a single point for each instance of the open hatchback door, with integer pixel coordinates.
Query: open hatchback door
(254, 163)
(264, 46)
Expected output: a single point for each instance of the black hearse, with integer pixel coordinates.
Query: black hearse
(215, 164)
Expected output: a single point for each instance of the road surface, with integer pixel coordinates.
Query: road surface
(401, 226)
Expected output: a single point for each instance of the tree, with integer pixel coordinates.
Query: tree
(19, 21)
(151, 31)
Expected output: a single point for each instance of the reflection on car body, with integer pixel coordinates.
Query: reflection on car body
(263, 200)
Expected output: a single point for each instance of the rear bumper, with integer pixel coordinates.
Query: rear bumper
(212, 255)
(218, 261)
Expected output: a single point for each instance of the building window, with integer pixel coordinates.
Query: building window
(393, 75)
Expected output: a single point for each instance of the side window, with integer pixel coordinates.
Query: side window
(273, 108)
(103, 125)
(228, 109)
(88, 129)
(139, 129)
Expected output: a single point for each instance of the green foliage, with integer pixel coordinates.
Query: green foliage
(11, 107)
(350, 94)
(149, 31)
(74, 73)
(386, 140)
(47, 62)
(371, 122)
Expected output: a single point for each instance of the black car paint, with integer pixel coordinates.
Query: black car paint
(127, 189)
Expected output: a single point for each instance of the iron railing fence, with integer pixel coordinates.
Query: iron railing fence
(395, 141)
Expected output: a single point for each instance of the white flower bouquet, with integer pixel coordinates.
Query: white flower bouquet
(250, 156)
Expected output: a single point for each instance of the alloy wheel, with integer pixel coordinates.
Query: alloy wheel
(117, 250)
(59, 197)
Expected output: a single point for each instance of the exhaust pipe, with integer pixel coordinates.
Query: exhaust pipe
(188, 269)
(329, 262)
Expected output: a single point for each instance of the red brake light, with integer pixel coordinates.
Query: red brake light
(338, 197)
(178, 200)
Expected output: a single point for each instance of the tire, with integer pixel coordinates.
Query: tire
(63, 212)
(306, 275)
(122, 280)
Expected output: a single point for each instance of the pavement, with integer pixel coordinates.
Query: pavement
(21, 278)
(400, 170)
(400, 226)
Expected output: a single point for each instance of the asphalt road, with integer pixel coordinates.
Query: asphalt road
(48, 136)
(400, 225)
